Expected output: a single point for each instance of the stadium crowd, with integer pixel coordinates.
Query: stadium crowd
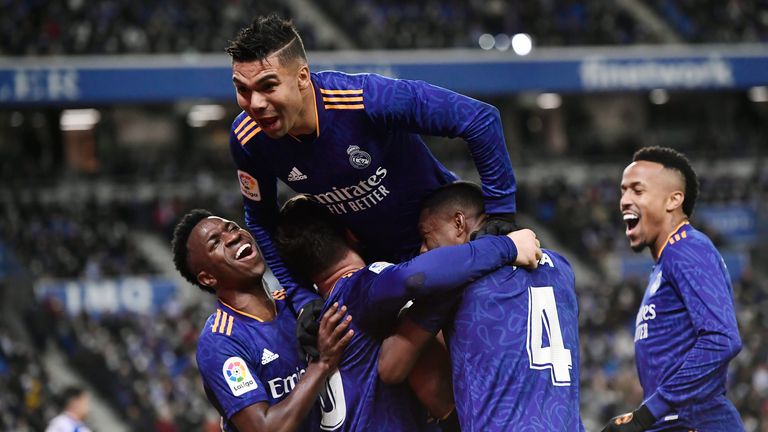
(27, 401)
(70, 239)
(75, 27)
(122, 26)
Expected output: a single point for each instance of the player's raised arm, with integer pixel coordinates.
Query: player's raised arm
(288, 414)
(427, 109)
(258, 186)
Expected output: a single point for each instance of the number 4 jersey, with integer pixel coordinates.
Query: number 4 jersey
(514, 347)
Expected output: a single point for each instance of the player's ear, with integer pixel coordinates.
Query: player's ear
(459, 223)
(675, 200)
(303, 77)
(206, 279)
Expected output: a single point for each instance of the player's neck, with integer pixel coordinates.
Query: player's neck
(253, 302)
(307, 123)
(326, 281)
(672, 225)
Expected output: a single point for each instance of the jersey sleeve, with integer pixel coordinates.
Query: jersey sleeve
(228, 375)
(701, 279)
(258, 186)
(440, 271)
(423, 108)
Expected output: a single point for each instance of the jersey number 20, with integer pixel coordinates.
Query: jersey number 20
(542, 317)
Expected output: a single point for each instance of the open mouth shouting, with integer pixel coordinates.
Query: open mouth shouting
(244, 251)
(631, 219)
(268, 123)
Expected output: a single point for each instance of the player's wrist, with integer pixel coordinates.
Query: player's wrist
(644, 417)
(321, 367)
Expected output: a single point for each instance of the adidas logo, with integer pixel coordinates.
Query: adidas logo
(268, 356)
(296, 175)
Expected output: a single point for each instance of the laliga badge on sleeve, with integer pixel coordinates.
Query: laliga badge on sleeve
(377, 267)
(238, 377)
(249, 186)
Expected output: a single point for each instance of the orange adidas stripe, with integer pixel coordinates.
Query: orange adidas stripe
(345, 107)
(343, 99)
(341, 92)
(243, 123)
(249, 136)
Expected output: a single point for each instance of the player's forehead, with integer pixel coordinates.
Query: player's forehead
(208, 227)
(642, 172)
(431, 220)
(249, 71)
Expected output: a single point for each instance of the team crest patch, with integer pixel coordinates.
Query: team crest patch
(249, 186)
(238, 377)
(359, 159)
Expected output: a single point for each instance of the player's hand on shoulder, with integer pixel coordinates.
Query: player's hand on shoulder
(334, 335)
(528, 248)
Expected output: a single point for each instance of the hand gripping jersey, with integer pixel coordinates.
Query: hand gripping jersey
(367, 163)
(685, 335)
(514, 345)
(357, 400)
(244, 360)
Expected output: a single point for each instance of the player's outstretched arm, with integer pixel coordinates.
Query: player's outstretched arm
(446, 269)
(334, 335)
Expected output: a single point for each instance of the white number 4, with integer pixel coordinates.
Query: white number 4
(542, 316)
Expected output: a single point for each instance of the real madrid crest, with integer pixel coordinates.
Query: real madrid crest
(359, 159)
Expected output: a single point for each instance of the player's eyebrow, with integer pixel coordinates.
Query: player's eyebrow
(271, 75)
(216, 232)
(632, 185)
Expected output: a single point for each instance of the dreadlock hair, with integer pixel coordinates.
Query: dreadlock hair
(179, 245)
(265, 36)
(674, 160)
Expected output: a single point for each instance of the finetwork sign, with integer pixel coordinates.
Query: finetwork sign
(648, 74)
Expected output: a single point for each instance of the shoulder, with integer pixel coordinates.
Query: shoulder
(339, 81)
(243, 129)
(551, 260)
(221, 333)
(688, 245)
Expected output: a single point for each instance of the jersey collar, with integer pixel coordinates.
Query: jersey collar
(234, 311)
(666, 242)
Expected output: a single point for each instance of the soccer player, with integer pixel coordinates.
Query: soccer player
(246, 352)
(77, 405)
(352, 143)
(316, 243)
(514, 335)
(685, 330)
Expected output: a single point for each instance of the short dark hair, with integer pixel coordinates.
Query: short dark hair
(462, 195)
(265, 36)
(71, 393)
(179, 245)
(673, 159)
(309, 238)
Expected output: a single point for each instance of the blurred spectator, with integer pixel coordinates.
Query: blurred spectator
(67, 27)
(77, 405)
(25, 401)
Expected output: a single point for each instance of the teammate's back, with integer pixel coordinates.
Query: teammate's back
(514, 347)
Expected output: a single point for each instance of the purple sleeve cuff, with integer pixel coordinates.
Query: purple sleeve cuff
(658, 406)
